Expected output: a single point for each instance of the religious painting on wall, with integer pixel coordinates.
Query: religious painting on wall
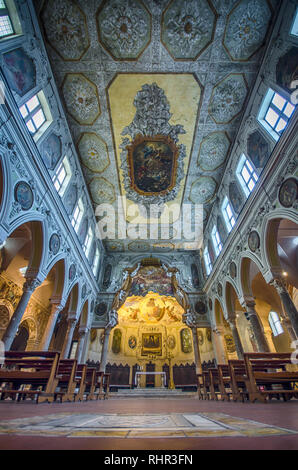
(254, 241)
(231, 348)
(151, 279)
(23, 195)
(171, 342)
(186, 340)
(20, 71)
(235, 197)
(287, 69)
(132, 342)
(258, 149)
(151, 344)
(288, 192)
(116, 344)
(152, 162)
(51, 151)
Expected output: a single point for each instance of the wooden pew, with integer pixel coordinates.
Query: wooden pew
(239, 380)
(40, 379)
(80, 378)
(205, 387)
(224, 378)
(220, 382)
(99, 385)
(66, 380)
(200, 386)
(268, 376)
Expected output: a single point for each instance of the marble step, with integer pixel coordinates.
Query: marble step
(151, 393)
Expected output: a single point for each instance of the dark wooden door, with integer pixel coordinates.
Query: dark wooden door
(150, 379)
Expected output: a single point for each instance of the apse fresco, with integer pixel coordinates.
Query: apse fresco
(151, 279)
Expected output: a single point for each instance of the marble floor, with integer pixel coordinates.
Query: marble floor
(149, 424)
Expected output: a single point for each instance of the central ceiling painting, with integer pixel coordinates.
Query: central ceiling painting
(153, 138)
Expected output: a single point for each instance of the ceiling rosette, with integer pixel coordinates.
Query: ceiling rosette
(152, 160)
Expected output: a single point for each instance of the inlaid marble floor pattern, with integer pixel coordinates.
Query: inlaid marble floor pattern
(183, 425)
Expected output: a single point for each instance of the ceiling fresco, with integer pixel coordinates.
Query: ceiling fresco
(154, 92)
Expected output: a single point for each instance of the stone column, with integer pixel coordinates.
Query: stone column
(220, 350)
(288, 305)
(48, 333)
(28, 288)
(196, 349)
(82, 339)
(236, 337)
(104, 351)
(256, 325)
(71, 324)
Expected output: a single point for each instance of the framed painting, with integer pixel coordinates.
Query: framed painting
(152, 165)
(151, 344)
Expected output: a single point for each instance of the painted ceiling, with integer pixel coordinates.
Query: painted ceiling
(154, 92)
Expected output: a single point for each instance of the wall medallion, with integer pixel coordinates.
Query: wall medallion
(101, 309)
(84, 291)
(200, 307)
(288, 192)
(233, 270)
(254, 241)
(186, 340)
(132, 342)
(72, 272)
(210, 305)
(23, 195)
(219, 289)
(54, 243)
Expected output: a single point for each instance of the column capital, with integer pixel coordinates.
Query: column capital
(83, 330)
(279, 285)
(30, 285)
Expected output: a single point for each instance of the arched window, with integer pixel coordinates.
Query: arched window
(275, 324)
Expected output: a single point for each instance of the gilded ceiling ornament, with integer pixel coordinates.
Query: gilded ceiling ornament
(102, 191)
(213, 151)
(93, 152)
(228, 98)
(66, 29)
(152, 161)
(124, 28)
(81, 98)
(188, 27)
(246, 28)
(203, 190)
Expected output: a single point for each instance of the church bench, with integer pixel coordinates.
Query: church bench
(66, 380)
(219, 379)
(203, 381)
(80, 379)
(97, 389)
(268, 376)
(224, 378)
(29, 373)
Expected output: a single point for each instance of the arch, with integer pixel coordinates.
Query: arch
(245, 266)
(5, 185)
(84, 316)
(272, 247)
(38, 231)
(60, 263)
(231, 299)
(74, 298)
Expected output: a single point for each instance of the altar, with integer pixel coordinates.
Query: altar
(138, 375)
